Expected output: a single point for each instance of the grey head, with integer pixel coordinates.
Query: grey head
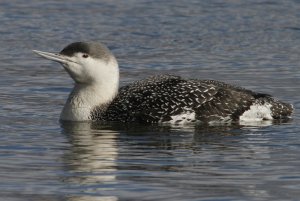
(93, 49)
(85, 62)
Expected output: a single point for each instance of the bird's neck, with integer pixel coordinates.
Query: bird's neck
(85, 97)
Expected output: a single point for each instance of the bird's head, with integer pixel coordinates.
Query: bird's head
(86, 62)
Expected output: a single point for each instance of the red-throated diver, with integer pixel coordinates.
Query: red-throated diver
(163, 98)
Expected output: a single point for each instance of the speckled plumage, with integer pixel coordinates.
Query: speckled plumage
(159, 98)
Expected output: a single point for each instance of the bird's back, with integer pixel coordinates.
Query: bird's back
(167, 98)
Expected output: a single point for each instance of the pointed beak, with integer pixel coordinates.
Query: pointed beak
(54, 57)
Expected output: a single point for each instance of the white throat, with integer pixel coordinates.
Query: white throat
(86, 96)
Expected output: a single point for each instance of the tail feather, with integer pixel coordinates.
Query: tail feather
(279, 109)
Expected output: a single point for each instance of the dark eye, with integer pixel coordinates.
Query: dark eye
(85, 55)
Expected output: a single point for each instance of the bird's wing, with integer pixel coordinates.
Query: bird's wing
(226, 105)
(158, 98)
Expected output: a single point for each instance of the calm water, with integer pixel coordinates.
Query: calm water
(255, 44)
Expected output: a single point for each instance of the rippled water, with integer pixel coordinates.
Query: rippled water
(254, 44)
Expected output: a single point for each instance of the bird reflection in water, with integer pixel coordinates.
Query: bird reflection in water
(91, 161)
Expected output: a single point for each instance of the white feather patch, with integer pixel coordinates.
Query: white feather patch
(257, 112)
(183, 118)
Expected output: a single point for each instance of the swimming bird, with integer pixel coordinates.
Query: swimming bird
(162, 98)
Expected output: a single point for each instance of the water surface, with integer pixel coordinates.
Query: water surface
(254, 44)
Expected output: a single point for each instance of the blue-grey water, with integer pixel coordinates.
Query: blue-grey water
(251, 43)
